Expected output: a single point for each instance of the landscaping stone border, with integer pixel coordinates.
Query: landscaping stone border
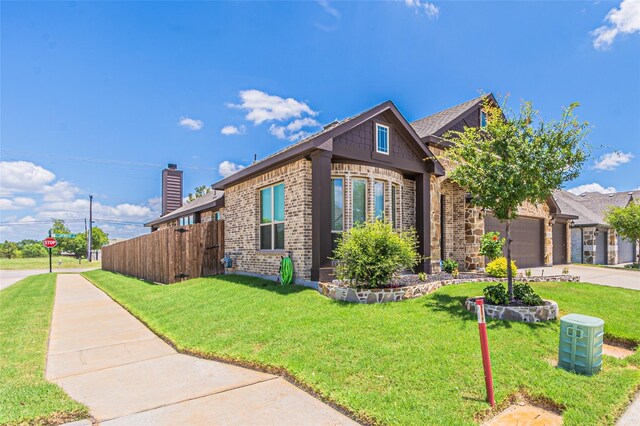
(546, 312)
(338, 291)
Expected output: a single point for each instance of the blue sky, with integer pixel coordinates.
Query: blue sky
(98, 97)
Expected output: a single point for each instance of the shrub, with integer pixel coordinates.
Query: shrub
(422, 276)
(372, 254)
(491, 245)
(633, 265)
(448, 265)
(496, 294)
(498, 268)
(532, 300)
(524, 293)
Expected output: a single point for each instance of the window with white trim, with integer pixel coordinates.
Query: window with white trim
(483, 119)
(186, 220)
(378, 200)
(382, 139)
(358, 201)
(216, 216)
(272, 217)
(394, 205)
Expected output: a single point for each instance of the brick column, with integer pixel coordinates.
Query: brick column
(321, 214)
(423, 224)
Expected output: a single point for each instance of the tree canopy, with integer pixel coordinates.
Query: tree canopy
(516, 157)
(626, 222)
(199, 192)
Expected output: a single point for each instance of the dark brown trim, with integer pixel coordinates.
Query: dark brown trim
(216, 204)
(319, 141)
(423, 223)
(321, 212)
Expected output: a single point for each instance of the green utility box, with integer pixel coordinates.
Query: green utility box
(580, 347)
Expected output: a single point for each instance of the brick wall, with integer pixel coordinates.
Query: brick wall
(242, 217)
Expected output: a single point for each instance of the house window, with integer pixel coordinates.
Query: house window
(378, 200)
(272, 218)
(394, 207)
(186, 220)
(483, 119)
(382, 139)
(359, 201)
(216, 216)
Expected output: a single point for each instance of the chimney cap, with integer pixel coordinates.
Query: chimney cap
(172, 166)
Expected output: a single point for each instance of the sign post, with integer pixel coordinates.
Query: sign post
(484, 346)
(50, 243)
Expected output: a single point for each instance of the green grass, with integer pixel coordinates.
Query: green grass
(25, 395)
(43, 263)
(414, 362)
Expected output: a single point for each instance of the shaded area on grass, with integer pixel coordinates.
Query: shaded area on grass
(25, 395)
(414, 362)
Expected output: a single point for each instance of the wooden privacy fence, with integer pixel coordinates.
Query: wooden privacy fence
(170, 254)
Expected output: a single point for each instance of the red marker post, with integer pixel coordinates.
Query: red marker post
(484, 346)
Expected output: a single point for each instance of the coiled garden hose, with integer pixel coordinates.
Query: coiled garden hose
(286, 271)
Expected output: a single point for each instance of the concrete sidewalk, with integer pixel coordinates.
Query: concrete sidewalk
(105, 358)
(612, 277)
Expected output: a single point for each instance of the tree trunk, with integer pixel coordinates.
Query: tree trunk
(509, 271)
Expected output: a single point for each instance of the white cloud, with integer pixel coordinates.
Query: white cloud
(227, 168)
(329, 9)
(262, 107)
(293, 131)
(592, 187)
(23, 176)
(16, 203)
(61, 190)
(190, 123)
(624, 20)
(233, 130)
(420, 6)
(612, 160)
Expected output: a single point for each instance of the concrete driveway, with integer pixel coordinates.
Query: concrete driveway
(613, 277)
(105, 358)
(12, 276)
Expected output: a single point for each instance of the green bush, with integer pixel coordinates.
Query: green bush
(372, 254)
(491, 245)
(448, 265)
(34, 250)
(524, 293)
(496, 294)
(498, 268)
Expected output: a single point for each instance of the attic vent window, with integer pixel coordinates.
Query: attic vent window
(382, 139)
(483, 119)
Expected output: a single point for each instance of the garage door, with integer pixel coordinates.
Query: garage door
(559, 243)
(527, 247)
(626, 252)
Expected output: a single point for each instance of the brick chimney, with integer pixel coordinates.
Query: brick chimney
(171, 189)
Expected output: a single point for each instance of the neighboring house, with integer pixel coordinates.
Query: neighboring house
(372, 165)
(592, 240)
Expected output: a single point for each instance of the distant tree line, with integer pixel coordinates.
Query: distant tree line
(76, 246)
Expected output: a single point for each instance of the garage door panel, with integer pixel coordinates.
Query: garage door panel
(526, 239)
(626, 250)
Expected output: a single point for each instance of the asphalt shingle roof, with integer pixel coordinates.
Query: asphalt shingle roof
(432, 124)
(198, 204)
(591, 207)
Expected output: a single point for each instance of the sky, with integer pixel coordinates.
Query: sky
(96, 98)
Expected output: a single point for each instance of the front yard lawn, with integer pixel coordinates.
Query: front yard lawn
(26, 397)
(414, 362)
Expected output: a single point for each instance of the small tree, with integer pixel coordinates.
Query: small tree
(626, 221)
(9, 250)
(515, 158)
(34, 250)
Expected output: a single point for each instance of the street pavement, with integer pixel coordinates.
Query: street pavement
(613, 277)
(105, 358)
(12, 276)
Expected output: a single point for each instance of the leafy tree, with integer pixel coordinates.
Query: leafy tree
(26, 242)
(199, 192)
(9, 250)
(626, 221)
(34, 250)
(78, 245)
(100, 238)
(59, 227)
(516, 157)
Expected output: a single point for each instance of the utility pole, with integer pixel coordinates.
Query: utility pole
(86, 237)
(90, 226)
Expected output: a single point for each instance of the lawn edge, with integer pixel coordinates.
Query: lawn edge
(264, 368)
(57, 417)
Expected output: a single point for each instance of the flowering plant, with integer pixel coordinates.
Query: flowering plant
(491, 245)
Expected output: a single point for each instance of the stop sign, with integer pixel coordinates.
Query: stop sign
(49, 242)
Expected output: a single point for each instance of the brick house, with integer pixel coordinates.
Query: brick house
(372, 165)
(592, 240)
